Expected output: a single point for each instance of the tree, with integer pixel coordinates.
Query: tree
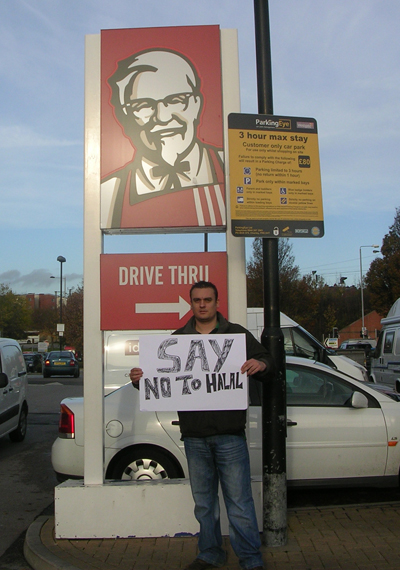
(15, 316)
(73, 319)
(288, 272)
(45, 320)
(383, 276)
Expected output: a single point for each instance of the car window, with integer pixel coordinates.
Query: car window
(378, 345)
(305, 387)
(12, 360)
(388, 342)
(63, 354)
(397, 343)
(311, 387)
(302, 346)
(288, 342)
(296, 344)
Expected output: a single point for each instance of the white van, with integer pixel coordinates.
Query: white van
(385, 364)
(13, 390)
(299, 342)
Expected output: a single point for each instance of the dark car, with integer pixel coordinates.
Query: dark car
(60, 363)
(391, 392)
(33, 361)
(367, 345)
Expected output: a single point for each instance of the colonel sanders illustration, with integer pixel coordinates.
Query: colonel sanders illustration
(174, 179)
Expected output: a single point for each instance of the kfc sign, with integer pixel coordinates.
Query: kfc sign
(162, 160)
(152, 291)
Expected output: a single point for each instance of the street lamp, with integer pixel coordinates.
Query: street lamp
(62, 260)
(362, 291)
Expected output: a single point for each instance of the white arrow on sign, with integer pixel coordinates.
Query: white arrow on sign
(182, 307)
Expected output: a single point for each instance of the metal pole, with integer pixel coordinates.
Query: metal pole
(61, 293)
(274, 391)
(362, 297)
(62, 260)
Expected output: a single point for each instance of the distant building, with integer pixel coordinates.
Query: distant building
(41, 300)
(372, 323)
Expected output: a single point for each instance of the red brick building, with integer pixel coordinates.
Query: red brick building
(372, 323)
(41, 300)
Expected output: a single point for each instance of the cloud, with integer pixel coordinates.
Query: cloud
(16, 136)
(38, 279)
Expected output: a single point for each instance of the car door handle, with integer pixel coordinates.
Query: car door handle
(290, 423)
(175, 422)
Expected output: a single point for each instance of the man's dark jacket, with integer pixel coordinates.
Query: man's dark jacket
(218, 422)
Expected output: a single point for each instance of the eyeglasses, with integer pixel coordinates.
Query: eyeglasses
(143, 108)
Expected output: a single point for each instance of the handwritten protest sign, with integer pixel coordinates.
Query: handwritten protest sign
(193, 372)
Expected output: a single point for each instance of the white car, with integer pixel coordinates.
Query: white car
(339, 432)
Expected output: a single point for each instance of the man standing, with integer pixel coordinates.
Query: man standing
(175, 179)
(216, 448)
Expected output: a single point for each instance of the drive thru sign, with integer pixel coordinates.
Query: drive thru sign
(151, 291)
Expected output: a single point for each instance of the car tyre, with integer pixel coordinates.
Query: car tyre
(20, 433)
(46, 374)
(76, 374)
(145, 463)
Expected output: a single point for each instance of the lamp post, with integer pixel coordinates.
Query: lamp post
(62, 260)
(362, 291)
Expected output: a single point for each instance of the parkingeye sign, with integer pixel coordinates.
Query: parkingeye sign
(193, 372)
(275, 180)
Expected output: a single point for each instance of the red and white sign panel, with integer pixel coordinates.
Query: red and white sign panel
(162, 130)
(151, 291)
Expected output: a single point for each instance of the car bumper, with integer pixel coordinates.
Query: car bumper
(61, 370)
(67, 459)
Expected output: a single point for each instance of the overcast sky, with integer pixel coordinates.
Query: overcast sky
(338, 62)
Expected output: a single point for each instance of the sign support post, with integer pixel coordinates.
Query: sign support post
(274, 392)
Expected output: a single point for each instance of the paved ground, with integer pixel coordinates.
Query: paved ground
(356, 537)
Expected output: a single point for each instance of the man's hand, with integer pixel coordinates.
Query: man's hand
(135, 375)
(253, 366)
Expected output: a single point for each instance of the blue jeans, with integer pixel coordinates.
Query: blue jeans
(224, 459)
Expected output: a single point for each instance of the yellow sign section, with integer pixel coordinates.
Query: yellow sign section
(275, 179)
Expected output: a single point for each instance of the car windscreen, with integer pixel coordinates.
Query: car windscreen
(60, 355)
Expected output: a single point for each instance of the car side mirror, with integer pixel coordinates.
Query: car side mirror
(359, 400)
(3, 379)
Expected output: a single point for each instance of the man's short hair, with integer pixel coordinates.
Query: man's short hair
(204, 285)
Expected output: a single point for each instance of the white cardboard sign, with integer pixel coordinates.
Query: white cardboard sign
(193, 372)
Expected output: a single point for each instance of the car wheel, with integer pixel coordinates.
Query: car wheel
(144, 464)
(20, 433)
(76, 374)
(46, 374)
